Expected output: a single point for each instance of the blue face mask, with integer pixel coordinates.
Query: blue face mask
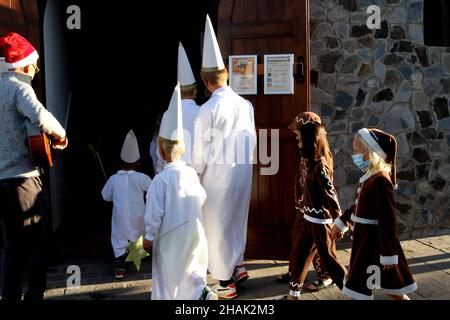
(358, 160)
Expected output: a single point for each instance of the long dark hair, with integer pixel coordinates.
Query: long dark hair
(315, 143)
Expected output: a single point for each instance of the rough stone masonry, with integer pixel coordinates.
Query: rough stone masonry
(386, 78)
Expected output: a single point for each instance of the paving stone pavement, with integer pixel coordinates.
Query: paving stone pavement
(429, 259)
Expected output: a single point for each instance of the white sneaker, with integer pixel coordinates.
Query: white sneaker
(229, 292)
(240, 274)
(208, 294)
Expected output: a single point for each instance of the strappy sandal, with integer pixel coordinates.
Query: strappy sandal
(284, 278)
(287, 297)
(316, 286)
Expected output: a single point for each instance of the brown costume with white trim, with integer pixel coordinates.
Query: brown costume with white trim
(373, 218)
(318, 206)
(296, 229)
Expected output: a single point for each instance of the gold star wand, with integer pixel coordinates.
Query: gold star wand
(137, 251)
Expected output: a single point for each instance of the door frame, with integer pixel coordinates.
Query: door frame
(258, 233)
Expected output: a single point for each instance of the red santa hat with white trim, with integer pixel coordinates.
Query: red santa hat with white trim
(18, 51)
(384, 145)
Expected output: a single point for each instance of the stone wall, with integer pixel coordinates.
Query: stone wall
(388, 79)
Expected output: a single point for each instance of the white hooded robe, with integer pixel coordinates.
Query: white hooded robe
(180, 258)
(225, 138)
(126, 190)
(190, 111)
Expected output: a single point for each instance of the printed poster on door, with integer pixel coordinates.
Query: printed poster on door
(279, 74)
(243, 74)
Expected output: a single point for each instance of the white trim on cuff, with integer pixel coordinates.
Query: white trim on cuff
(360, 220)
(149, 237)
(388, 260)
(341, 225)
(293, 293)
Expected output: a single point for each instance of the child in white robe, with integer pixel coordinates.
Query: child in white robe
(188, 90)
(173, 220)
(126, 189)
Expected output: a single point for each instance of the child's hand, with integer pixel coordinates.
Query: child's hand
(336, 233)
(388, 266)
(148, 245)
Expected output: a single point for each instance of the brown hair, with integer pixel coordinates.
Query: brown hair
(215, 77)
(315, 143)
(130, 166)
(188, 92)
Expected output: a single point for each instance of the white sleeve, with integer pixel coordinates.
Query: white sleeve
(341, 225)
(145, 182)
(154, 209)
(201, 190)
(202, 139)
(107, 192)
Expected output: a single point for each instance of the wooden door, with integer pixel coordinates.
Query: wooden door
(22, 17)
(270, 27)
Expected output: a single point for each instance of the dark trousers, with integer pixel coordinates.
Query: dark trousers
(317, 262)
(23, 231)
(313, 238)
(321, 271)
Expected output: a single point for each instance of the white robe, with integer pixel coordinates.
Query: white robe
(126, 190)
(153, 153)
(189, 110)
(180, 258)
(227, 178)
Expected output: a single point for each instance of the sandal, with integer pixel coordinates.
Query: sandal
(287, 297)
(284, 278)
(317, 285)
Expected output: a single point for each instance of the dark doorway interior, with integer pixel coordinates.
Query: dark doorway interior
(123, 71)
(436, 19)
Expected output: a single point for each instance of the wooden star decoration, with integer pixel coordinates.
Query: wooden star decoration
(137, 252)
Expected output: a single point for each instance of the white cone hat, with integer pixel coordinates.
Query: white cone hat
(130, 149)
(185, 75)
(172, 121)
(212, 58)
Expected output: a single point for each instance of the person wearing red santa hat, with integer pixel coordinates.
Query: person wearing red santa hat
(377, 260)
(23, 204)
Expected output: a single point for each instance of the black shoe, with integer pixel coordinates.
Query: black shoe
(32, 296)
